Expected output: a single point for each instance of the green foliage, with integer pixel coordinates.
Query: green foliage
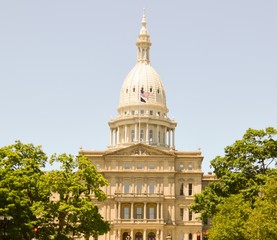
(59, 202)
(229, 222)
(237, 218)
(234, 201)
(20, 169)
(239, 170)
(262, 221)
(70, 191)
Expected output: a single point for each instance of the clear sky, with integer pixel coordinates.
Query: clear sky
(62, 64)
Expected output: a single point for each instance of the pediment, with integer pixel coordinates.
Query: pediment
(140, 150)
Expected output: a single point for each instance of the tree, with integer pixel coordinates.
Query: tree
(71, 190)
(20, 169)
(239, 170)
(239, 219)
(229, 222)
(262, 221)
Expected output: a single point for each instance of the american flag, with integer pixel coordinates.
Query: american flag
(144, 95)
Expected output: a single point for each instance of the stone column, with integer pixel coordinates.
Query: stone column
(132, 211)
(117, 137)
(147, 133)
(125, 134)
(144, 211)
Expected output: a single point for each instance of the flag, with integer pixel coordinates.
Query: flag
(144, 95)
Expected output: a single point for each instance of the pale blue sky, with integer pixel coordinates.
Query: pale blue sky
(62, 64)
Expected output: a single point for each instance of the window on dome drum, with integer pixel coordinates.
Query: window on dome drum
(141, 135)
(150, 135)
(141, 112)
(126, 90)
(158, 91)
(190, 236)
(151, 166)
(139, 166)
(151, 90)
(190, 215)
(133, 135)
(190, 167)
(190, 189)
(134, 89)
(151, 112)
(181, 167)
(127, 166)
(182, 189)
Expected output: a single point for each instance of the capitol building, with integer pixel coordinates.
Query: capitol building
(151, 184)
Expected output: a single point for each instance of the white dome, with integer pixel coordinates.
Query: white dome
(142, 78)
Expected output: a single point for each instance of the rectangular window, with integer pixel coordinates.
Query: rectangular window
(139, 188)
(181, 213)
(133, 135)
(190, 189)
(182, 189)
(152, 188)
(126, 188)
(126, 212)
(139, 213)
(190, 215)
(151, 213)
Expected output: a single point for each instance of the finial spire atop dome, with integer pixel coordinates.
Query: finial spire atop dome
(143, 42)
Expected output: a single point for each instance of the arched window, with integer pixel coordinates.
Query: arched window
(151, 236)
(190, 236)
(138, 236)
(126, 236)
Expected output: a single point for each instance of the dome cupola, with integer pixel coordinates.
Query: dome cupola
(142, 106)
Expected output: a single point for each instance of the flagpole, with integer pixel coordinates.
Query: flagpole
(139, 96)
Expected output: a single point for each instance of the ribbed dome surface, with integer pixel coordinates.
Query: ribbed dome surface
(142, 77)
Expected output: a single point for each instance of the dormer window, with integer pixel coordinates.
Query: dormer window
(158, 91)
